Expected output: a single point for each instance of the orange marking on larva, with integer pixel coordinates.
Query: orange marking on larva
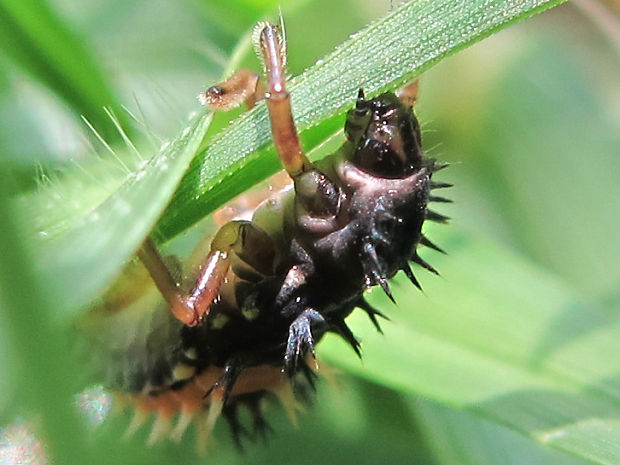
(190, 400)
(152, 403)
(259, 378)
(190, 397)
(143, 402)
(207, 379)
(167, 404)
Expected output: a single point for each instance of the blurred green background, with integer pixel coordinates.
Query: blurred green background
(510, 357)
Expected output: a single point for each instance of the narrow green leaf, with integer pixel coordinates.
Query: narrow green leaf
(38, 40)
(506, 341)
(382, 56)
(79, 262)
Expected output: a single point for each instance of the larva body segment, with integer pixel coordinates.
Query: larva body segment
(276, 284)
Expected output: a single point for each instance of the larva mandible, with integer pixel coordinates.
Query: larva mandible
(271, 287)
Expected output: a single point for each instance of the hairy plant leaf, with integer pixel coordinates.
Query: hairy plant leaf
(78, 262)
(386, 54)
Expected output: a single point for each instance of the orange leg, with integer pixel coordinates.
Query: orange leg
(242, 86)
(409, 93)
(283, 129)
(250, 243)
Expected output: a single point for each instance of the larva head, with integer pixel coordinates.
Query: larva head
(386, 179)
(385, 135)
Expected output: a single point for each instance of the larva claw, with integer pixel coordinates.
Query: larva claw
(300, 339)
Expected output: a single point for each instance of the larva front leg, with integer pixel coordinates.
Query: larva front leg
(243, 238)
(243, 86)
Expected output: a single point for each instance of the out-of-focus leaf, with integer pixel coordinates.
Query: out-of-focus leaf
(536, 136)
(36, 38)
(78, 262)
(555, 167)
(40, 357)
(460, 438)
(478, 341)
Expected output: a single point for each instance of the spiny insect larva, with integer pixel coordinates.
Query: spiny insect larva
(271, 287)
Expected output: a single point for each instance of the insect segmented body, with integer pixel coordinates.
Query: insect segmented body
(271, 287)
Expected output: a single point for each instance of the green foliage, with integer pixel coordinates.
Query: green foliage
(33, 35)
(513, 350)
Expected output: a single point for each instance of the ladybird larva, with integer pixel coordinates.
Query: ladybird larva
(272, 286)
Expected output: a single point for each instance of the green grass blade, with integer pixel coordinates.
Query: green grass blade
(38, 40)
(382, 56)
(506, 341)
(79, 262)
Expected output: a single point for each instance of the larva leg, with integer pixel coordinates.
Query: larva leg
(249, 242)
(409, 93)
(283, 129)
(316, 193)
(243, 86)
(300, 339)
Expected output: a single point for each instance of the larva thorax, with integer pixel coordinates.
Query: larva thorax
(384, 189)
(347, 225)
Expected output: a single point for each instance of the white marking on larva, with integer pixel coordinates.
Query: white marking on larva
(160, 428)
(191, 353)
(286, 396)
(295, 277)
(164, 146)
(219, 321)
(206, 428)
(182, 371)
(185, 418)
(138, 419)
(250, 313)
